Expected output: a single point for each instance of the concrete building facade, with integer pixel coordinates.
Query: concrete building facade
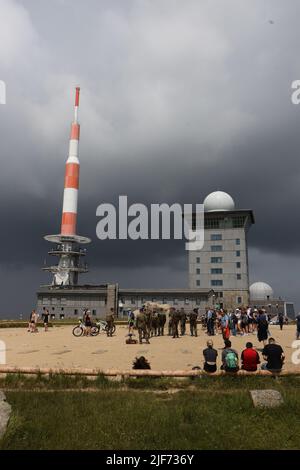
(222, 263)
(69, 302)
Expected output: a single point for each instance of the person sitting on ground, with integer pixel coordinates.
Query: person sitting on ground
(274, 355)
(250, 358)
(230, 358)
(210, 355)
(141, 363)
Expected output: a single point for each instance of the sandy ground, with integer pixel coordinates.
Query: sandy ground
(59, 348)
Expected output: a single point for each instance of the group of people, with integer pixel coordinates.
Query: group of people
(88, 323)
(153, 322)
(243, 321)
(33, 321)
(272, 353)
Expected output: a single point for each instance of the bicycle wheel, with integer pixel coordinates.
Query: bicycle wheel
(77, 331)
(95, 330)
(113, 329)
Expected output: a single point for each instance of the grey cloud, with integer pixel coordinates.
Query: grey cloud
(178, 99)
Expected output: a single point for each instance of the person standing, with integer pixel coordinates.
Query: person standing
(244, 322)
(31, 322)
(210, 322)
(46, 319)
(175, 323)
(183, 318)
(262, 327)
(233, 323)
(141, 325)
(274, 355)
(88, 323)
(162, 318)
(193, 322)
(225, 326)
(210, 357)
(110, 319)
(250, 358)
(130, 322)
(280, 319)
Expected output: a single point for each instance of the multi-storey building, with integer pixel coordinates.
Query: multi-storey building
(222, 263)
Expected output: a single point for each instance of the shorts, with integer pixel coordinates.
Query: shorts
(210, 367)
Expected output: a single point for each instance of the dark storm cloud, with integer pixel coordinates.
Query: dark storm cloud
(178, 99)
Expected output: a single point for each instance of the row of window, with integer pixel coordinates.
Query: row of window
(220, 248)
(219, 259)
(218, 270)
(218, 236)
(217, 282)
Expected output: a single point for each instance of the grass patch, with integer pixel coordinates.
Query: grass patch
(116, 419)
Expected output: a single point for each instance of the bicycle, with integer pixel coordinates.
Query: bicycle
(101, 326)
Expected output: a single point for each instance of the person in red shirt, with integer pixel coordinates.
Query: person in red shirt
(250, 358)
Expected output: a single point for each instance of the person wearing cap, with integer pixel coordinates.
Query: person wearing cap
(210, 357)
(250, 358)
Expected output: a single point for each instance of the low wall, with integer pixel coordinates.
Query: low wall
(137, 373)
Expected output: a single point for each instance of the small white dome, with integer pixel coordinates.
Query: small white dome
(218, 201)
(261, 291)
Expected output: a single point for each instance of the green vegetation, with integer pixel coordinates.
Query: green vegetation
(204, 413)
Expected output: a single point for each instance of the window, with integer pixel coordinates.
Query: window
(61, 316)
(216, 271)
(186, 301)
(238, 276)
(75, 311)
(63, 301)
(238, 253)
(198, 271)
(238, 264)
(62, 309)
(94, 312)
(220, 294)
(237, 241)
(198, 302)
(153, 300)
(53, 308)
(197, 260)
(216, 248)
(198, 283)
(52, 316)
(239, 300)
(216, 282)
(132, 301)
(216, 260)
(175, 302)
(215, 236)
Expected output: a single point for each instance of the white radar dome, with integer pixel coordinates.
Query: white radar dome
(261, 291)
(218, 201)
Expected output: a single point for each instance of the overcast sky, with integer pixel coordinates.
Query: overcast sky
(178, 99)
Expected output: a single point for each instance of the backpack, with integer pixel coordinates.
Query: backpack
(231, 360)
